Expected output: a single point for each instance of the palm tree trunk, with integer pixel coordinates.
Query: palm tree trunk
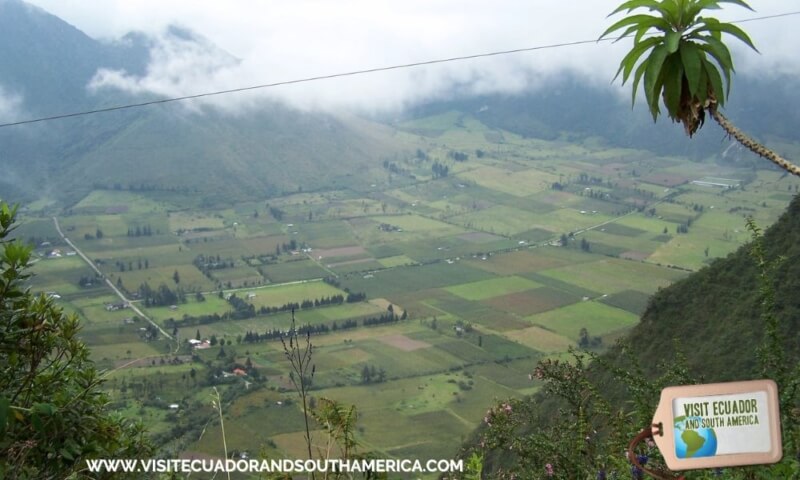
(751, 144)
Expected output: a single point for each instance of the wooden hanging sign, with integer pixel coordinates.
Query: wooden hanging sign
(719, 425)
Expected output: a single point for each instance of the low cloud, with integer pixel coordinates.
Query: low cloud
(180, 64)
(10, 106)
(274, 41)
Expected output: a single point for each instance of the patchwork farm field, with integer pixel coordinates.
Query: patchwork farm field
(427, 297)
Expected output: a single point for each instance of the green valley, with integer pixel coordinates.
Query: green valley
(431, 292)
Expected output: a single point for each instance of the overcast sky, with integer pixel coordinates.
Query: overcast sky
(284, 40)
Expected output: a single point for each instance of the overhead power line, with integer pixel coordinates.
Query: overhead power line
(343, 74)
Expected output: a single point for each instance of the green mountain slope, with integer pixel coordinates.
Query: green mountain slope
(568, 107)
(252, 154)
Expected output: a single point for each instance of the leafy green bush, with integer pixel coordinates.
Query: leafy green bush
(53, 414)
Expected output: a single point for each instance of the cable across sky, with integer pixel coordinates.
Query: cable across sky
(342, 74)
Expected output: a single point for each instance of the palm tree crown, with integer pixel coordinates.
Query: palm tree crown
(688, 66)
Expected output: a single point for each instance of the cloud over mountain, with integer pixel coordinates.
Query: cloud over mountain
(10, 105)
(280, 41)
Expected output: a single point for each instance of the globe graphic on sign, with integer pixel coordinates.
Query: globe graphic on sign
(694, 442)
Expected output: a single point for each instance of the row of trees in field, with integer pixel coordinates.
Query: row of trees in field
(141, 231)
(323, 328)
(140, 264)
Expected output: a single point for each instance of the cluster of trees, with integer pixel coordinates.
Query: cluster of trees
(206, 263)
(644, 193)
(439, 170)
(286, 247)
(585, 179)
(140, 264)
(98, 234)
(161, 297)
(564, 239)
(241, 308)
(355, 297)
(388, 317)
(149, 333)
(587, 341)
(741, 209)
(140, 231)
(276, 213)
(458, 156)
(88, 280)
(684, 227)
(595, 194)
(395, 168)
(388, 227)
(263, 259)
(370, 374)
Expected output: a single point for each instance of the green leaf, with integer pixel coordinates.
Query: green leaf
(725, 71)
(716, 81)
(636, 78)
(641, 29)
(629, 61)
(670, 10)
(651, 76)
(672, 42)
(634, 4)
(635, 19)
(36, 420)
(720, 52)
(702, 88)
(712, 25)
(673, 82)
(690, 57)
(66, 454)
(44, 409)
(655, 109)
(696, 8)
